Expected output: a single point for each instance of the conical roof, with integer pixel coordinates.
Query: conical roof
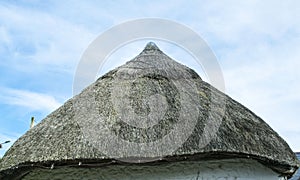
(151, 107)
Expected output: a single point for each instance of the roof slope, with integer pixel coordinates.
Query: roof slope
(60, 138)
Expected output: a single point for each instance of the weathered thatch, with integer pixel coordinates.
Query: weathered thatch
(61, 138)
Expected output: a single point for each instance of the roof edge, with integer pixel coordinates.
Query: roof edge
(19, 171)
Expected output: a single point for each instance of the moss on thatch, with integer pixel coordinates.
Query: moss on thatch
(59, 139)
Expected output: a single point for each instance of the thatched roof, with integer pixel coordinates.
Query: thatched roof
(62, 139)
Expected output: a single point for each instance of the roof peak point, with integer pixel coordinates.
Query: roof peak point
(151, 46)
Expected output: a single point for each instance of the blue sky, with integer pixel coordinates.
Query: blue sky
(257, 44)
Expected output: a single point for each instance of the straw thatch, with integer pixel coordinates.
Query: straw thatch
(60, 139)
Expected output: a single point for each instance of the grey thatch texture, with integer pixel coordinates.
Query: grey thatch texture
(59, 139)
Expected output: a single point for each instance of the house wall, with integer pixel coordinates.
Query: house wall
(237, 169)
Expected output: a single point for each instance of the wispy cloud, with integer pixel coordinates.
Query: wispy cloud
(35, 38)
(31, 100)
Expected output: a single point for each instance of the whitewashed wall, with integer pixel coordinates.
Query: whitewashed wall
(237, 169)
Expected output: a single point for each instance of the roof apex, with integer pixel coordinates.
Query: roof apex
(151, 46)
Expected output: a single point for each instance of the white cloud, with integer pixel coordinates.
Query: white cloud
(234, 22)
(36, 38)
(31, 100)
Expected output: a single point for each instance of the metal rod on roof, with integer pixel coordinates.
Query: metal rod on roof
(32, 122)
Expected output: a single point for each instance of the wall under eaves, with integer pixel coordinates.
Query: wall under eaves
(231, 169)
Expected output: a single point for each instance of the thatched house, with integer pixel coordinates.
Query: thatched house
(67, 143)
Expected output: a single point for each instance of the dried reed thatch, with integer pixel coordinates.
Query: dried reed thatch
(60, 139)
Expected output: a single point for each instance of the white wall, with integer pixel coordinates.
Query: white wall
(238, 169)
